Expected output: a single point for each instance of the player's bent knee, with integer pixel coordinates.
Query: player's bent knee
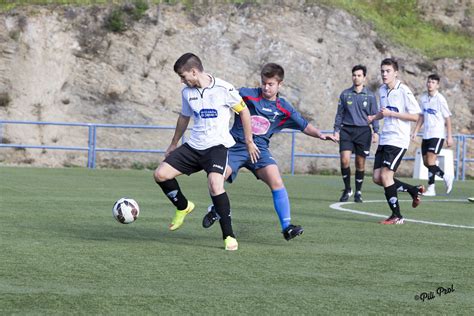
(377, 180)
(276, 184)
(215, 183)
(160, 175)
(215, 189)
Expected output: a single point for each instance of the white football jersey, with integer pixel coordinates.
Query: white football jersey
(396, 132)
(211, 109)
(435, 111)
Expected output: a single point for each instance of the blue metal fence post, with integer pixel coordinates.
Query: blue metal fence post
(293, 141)
(94, 142)
(89, 146)
(458, 155)
(464, 143)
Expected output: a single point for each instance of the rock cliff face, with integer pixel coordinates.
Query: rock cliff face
(60, 64)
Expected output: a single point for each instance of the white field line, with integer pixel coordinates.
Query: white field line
(339, 207)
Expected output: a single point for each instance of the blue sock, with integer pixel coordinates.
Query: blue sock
(282, 207)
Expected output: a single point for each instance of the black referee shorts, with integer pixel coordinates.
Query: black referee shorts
(188, 160)
(357, 139)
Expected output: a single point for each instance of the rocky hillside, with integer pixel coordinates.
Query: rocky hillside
(61, 64)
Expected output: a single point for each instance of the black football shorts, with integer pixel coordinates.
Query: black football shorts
(388, 156)
(188, 160)
(433, 145)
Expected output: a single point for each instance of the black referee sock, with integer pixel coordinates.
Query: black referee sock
(346, 177)
(392, 199)
(173, 192)
(359, 179)
(434, 171)
(222, 205)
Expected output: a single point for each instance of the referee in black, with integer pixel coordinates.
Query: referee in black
(353, 132)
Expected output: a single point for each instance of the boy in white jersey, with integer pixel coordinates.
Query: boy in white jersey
(398, 109)
(209, 100)
(434, 117)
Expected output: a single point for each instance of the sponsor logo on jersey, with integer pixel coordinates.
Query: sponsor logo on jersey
(430, 111)
(349, 102)
(275, 115)
(260, 125)
(392, 108)
(267, 110)
(208, 113)
(193, 99)
(217, 166)
(364, 103)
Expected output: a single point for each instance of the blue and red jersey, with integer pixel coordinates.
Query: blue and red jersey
(268, 117)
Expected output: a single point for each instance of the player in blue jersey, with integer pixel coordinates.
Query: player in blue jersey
(269, 114)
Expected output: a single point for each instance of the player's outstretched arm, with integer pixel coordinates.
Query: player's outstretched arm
(310, 130)
(402, 116)
(376, 117)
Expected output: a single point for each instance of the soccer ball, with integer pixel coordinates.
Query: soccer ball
(126, 210)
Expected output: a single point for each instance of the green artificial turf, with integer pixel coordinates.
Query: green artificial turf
(63, 253)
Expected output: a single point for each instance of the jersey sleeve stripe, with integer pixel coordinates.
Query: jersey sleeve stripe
(250, 98)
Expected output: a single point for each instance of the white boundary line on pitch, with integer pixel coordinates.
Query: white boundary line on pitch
(338, 207)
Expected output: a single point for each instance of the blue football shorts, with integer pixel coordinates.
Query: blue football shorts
(239, 157)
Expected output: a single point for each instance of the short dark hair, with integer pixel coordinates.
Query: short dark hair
(360, 67)
(434, 77)
(271, 70)
(390, 62)
(186, 62)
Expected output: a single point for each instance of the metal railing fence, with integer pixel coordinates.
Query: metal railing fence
(461, 158)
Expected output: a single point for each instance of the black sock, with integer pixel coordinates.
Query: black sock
(359, 179)
(405, 187)
(392, 199)
(222, 206)
(173, 192)
(434, 171)
(346, 177)
(431, 174)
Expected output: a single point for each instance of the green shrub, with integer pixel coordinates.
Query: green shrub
(115, 22)
(140, 7)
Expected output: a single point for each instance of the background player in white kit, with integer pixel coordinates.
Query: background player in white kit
(434, 117)
(398, 108)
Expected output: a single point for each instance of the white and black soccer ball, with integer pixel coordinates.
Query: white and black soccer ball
(126, 210)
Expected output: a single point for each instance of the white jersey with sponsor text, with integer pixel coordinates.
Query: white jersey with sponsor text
(396, 132)
(211, 109)
(435, 111)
